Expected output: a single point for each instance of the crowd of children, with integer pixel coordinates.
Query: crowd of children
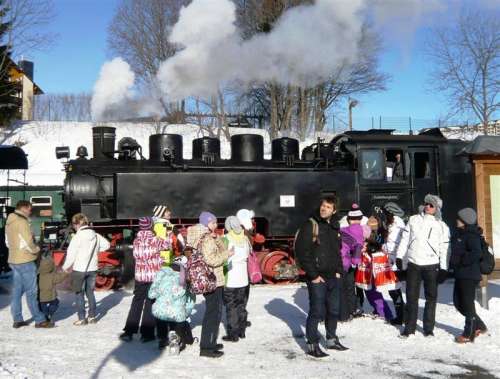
(170, 272)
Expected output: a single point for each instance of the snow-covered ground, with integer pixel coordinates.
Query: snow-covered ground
(40, 138)
(274, 347)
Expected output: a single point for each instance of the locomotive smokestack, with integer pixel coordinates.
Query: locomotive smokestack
(104, 142)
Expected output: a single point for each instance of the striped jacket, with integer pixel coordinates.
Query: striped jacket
(148, 261)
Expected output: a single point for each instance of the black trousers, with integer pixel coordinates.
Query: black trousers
(348, 297)
(140, 312)
(182, 329)
(464, 293)
(235, 300)
(399, 304)
(324, 304)
(247, 296)
(415, 275)
(211, 319)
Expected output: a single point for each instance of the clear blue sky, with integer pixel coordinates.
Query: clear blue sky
(73, 63)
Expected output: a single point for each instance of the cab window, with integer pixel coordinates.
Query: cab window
(395, 165)
(422, 165)
(372, 165)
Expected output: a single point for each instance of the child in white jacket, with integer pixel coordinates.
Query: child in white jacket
(236, 280)
(82, 257)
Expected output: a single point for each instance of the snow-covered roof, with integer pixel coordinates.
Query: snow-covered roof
(483, 145)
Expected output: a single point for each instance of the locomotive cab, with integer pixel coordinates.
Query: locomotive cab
(404, 168)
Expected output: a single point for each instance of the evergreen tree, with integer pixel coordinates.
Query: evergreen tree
(9, 106)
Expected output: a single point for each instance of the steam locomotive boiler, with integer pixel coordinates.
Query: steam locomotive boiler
(118, 185)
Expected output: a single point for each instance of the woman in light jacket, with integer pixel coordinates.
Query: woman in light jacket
(82, 255)
(203, 237)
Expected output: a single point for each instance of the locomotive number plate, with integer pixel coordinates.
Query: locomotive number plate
(287, 201)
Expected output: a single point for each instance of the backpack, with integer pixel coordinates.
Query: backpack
(487, 262)
(199, 275)
(315, 239)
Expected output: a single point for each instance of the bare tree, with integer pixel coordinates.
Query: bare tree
(304, 109)
(63, 107)
(466, 57)
(28, 25)
(139, 34)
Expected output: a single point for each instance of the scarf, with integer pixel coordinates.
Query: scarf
(236, 239)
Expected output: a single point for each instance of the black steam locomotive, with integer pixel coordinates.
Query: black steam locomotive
(118, 185)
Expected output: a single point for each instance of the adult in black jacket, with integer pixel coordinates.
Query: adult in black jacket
(317, 249)
(465, 259)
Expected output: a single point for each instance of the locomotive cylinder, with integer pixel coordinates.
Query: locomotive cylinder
(247, 148)
(165, 147)
(206, 146)
(284, 148)
(103, 142)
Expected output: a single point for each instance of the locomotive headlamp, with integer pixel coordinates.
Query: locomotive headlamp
(62, 152)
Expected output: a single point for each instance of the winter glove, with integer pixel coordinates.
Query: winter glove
(399, 264)
(442, 276)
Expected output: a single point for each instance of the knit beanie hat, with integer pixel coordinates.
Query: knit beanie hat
(145, 223)
(206, 218)
(355, 213)
(245, 216)
(394, 209)
(468, 216)
(159, 210)
(373, 223)
(232, 223)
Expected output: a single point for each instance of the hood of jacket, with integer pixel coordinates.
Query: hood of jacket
(16, 216)
(194, 234)
(333, 222)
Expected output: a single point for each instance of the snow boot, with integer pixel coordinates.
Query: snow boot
(211, 353)
(399, 319)
(461, 339)
(315, 351)
(19, 324)
(480, 331)
(334, 344)
(126, 337)
(174, 344)
(405, 334)
(230, 338)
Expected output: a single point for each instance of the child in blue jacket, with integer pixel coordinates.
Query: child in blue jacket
(174, 304)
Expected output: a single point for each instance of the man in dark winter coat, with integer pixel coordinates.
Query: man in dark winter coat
(465, 260)
(317, 250)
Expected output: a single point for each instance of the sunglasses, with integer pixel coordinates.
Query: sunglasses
(429, 205)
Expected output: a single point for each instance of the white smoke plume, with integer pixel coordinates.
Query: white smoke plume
(113, 88)
(305, 46)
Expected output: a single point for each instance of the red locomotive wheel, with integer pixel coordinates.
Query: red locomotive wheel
(104, 283)
(269, 262)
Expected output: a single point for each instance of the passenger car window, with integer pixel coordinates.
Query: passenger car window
(372, 165)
